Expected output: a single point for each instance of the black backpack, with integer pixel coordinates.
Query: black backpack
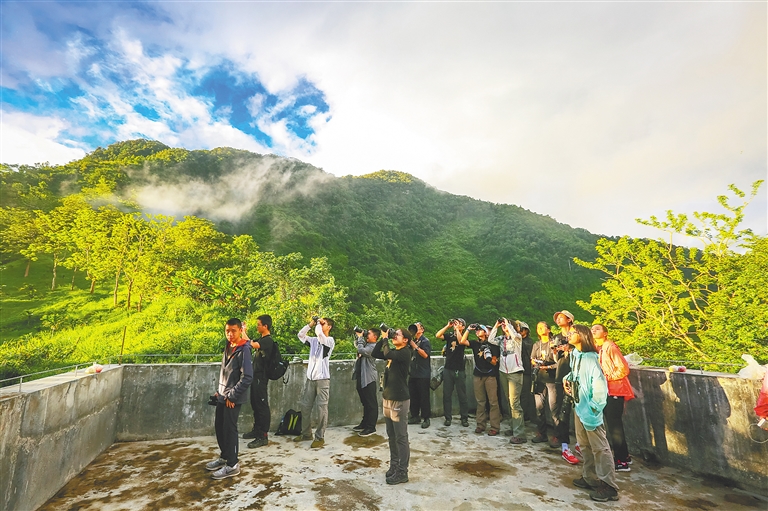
(276, 366)
(290, 424)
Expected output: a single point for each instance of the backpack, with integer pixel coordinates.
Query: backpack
(290, 424)
(276, 366)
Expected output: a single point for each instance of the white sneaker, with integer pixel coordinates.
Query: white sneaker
(215, 464)
(227, 471)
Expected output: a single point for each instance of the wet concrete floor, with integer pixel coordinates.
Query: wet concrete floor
(452, 468)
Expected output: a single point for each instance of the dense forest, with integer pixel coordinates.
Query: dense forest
(159, 245)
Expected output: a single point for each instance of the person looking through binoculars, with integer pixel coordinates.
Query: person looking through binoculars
(421, 372)
(511, 374)
(454, 374)
(366, 379)
(317, 385)
(484, 377)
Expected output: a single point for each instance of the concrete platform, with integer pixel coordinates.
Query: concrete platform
(452, 468)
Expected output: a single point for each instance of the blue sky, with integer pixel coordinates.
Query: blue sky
(635, 108)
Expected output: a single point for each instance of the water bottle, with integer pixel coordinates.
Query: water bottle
(676, 369)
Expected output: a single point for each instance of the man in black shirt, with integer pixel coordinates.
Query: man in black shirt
(484, 376)
(454, 375)
(263, 350)
(396, 400)
(421, 372)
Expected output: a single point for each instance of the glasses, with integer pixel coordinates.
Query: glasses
(398, 334)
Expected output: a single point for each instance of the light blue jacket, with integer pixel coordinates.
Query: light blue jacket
(593, 388)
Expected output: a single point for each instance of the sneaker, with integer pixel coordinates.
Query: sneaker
(215, 464)
(465, 423)
(367, 432)
(622, 466)
(577, 450)
(398, 477)
(258, 442)
(227, 471)
(604, 493)
(359, 427)
(628, 461)
(317, 443)
(301, 438)
(425, 424)
(539, 438)
(391, 471)
(479, 429)
(414, 420)
(582, 483)
(251, 434)
(447, 422)
(570, 458)
(493, 432)
(509, 432)
(554, 443)
(517, 440)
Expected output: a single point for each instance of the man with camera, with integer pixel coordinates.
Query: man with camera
(526, 397)
(366, 377)
(396, 399)
(317, 385)
(484, 377)
(454, 375)
(235, 376)
(421, 372)
(511, 374)
(564, 320)
(263, 349)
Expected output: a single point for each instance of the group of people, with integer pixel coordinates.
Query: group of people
(578, 369)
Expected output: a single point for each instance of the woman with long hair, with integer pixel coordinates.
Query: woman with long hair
(588, 388)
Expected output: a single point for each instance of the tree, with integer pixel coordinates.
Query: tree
(674, 302)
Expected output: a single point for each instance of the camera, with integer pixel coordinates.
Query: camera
(391, 333)
(501, 320)
(315, 318)
(487, 353)
(359, 331)
(212, 400)
(474, 326)
(383, 327)
(414, 328)
(565, 408)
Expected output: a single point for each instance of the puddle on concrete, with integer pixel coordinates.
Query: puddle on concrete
(485, 469)
(335, 495)
(358, 441)
(697, 503)
(745, 500)
(356, 462)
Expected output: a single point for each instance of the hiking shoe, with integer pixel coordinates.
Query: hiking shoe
(577, 450)
(622, 466)
(570, 458)
(517, 440)
(398, 477)
(366, 432)
(301, 438)
(509, 432)
(604, 493)
(258, 442)
(414, 420)
(215, 464)
(465, 423)
(251, 434)
(359, 427)
(493, 432)
(317, 443)
(226, 471)
(479, 429)
(553, 443)
(539, 438)
(447, 422)
(392, 470)
(582, 483)
(425, 424)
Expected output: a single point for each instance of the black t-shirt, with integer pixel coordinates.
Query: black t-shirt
(483, 366)
(396, 372)
(420, 367)
(526, 354)
(454, 352)
(264, 353)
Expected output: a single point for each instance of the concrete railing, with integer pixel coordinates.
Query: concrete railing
(58, 425)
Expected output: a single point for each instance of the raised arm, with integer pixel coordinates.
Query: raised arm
(441, 333)
(464, 341)
(302, 335)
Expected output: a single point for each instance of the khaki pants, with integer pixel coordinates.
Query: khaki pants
(486, 390)
(315, 391)
(598, 460)
(512, 388)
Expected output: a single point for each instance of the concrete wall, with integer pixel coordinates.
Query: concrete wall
(50, 433)
(698, 422)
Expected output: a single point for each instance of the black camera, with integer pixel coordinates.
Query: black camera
(213, 401)
(565, 408)
(414, 327)
(501, 320)
(383, 327)
(391, 333)
(359, 331)
(315, 318)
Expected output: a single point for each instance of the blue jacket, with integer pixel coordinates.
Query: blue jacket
(593, 389)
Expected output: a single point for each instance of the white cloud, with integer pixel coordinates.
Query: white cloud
(26, 138)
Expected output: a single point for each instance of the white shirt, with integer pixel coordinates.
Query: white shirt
(511, 360)
(320, 349)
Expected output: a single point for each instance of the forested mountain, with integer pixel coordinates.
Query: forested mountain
(443, 255)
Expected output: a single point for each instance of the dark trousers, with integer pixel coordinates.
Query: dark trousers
(419, 390)
(614, 425)
(226, 432)
(458, 380)
(527, 401)
(551, 394)
(260, 405)
(370, 404)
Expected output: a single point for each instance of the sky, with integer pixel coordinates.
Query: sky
(594, 113)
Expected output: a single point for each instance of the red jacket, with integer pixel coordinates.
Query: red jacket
(616, 371)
